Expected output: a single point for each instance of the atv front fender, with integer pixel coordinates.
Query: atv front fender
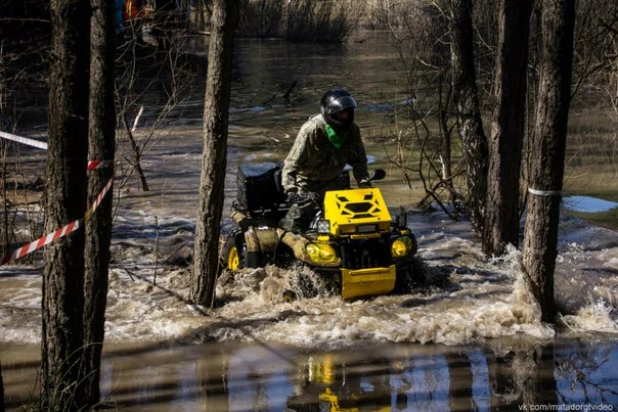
(367, 282)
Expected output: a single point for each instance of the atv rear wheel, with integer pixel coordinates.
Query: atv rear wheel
(233, 253)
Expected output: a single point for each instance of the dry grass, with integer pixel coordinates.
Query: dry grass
(591, 166)
(320, 21)
(260, 18)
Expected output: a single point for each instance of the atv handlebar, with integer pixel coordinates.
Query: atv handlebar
(378, 174)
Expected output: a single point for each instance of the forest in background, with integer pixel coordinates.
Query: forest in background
(419, 31)
(438, 54)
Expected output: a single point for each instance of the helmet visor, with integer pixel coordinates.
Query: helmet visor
(340, 103)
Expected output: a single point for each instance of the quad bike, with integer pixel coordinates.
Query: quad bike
(352, 243)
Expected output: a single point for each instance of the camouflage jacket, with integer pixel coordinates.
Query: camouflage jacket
(315, 165)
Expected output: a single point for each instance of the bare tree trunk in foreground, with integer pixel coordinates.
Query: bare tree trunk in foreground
(62, 340)
(548, 152)
(102, 147)
(216, 108)
(469, 120)
(502, 204)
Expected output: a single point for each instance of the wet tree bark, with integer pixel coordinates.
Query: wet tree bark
(216, 108)
(62, 340)
(548, 152)
(101, 146)
(469, 120)
(502, 203)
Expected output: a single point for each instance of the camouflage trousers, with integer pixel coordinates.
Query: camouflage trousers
(299, 217)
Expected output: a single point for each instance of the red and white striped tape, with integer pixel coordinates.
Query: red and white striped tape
(65, 230)
(99, 164)
(24, 140)
(39, 243)
(56, 234)
(99, 199)
(92, 164)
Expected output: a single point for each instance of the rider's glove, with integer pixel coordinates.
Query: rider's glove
(300, 198)
(292, 197)
(364, 184)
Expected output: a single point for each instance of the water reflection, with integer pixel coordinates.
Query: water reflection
(500, 375)
(585, 373)
(327, 382)
(378, 377)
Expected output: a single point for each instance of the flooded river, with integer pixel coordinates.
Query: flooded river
(471, 340)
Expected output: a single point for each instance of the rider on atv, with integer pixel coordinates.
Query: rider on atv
(307, 212)
(314, 165)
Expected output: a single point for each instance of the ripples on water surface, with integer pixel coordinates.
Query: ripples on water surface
(483, 346)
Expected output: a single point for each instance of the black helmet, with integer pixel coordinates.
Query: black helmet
(334, 101)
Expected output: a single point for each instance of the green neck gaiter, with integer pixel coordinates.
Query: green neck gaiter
(334, 138)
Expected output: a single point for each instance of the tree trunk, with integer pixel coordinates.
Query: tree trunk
(502, 204)
(216, 108)
(445, 133)
(548, 152)
(98, 225)
(469, 120)
(62, 340)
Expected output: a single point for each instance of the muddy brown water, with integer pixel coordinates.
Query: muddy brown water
(472, 340)
(498, 375)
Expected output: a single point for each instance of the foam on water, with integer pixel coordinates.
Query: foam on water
(482, 308)
(468, 299)
(596, 317)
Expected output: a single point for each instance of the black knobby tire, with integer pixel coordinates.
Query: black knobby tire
(410, 275)
(233, 256)
(318, 285)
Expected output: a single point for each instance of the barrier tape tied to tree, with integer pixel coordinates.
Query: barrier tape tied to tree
(92, 164)
(58, 233)
(24, 140)
(67, 229)
(99, 164)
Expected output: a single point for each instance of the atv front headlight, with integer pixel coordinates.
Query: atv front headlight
(321, 253)
(323, 227)
(401, 247)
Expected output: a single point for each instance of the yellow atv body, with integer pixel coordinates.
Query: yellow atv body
(353, 243)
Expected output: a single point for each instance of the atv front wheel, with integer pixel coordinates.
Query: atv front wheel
(410, 275)
(233, 256)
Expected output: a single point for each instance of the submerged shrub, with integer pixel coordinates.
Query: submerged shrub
(260, 18)
(386, 14)
(321, 21)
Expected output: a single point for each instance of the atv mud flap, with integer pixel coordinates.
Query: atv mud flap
(367, 282)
